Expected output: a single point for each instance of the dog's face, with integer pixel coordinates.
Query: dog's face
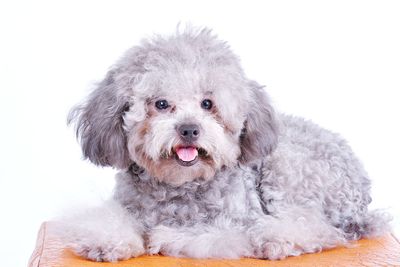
(194, 118)
(179, 107)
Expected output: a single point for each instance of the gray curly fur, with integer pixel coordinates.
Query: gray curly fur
(269, 185)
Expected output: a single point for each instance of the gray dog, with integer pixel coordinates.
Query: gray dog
(207, 168)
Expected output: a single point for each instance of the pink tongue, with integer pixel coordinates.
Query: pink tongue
(186, 153)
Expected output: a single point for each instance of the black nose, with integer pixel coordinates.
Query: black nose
(189, 132)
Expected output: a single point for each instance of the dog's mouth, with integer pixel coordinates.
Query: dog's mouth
(188, 155)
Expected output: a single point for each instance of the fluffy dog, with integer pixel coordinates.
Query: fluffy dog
(207, 168)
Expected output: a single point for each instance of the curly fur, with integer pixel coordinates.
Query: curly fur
(266, 185)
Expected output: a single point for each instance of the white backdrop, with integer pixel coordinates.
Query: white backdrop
(336, 62)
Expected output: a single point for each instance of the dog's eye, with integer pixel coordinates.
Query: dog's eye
(206, 104)
(162, 104)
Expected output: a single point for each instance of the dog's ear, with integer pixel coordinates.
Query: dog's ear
(260, 131)
(99, 124)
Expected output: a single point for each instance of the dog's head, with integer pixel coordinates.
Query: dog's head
(180, 107)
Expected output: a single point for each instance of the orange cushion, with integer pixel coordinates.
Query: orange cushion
(384, 251)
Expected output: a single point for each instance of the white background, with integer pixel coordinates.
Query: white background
(335, 62)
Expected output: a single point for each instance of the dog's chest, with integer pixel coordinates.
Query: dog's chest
(229, 194)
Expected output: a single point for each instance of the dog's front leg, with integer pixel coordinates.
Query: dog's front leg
(293, 231)
(105, 233)
(220, 239)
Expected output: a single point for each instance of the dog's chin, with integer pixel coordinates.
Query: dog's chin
(176, 170)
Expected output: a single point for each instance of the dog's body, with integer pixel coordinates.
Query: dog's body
(208, 170)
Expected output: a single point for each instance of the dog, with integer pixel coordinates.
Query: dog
(207, 168)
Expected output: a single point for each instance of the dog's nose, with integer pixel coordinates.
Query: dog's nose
(189, 132)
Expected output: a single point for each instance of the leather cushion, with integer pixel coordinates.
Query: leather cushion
(384, 251)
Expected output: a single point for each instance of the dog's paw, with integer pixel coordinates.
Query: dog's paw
(276, 250)
(108, 252)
